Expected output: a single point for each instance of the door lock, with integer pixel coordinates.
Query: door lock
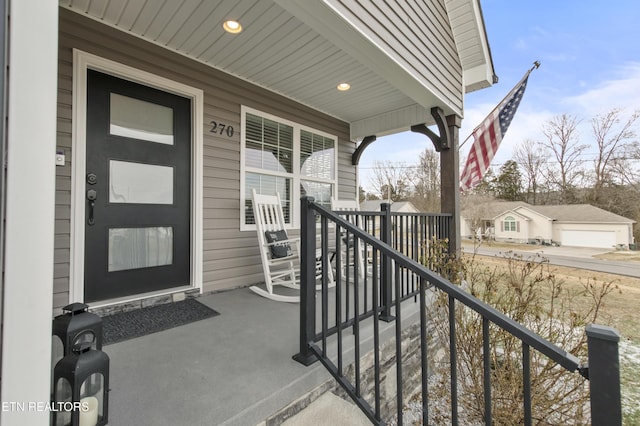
(91, 196)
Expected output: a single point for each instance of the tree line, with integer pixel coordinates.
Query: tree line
(558, 168)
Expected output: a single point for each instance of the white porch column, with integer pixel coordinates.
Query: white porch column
(30, 200)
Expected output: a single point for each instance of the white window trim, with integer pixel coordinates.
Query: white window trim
(296, 176)
(510, 220)
(82, 61)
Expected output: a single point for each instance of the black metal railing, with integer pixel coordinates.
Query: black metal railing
(412, 234)
(332, 326)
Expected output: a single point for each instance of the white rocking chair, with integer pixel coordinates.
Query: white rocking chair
(354, 206)
(280, 254)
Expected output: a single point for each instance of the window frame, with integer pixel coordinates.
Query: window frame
(296, 176)
(512, 224)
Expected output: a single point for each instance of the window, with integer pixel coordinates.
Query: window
(136, 119)
(282, 157)
(510, 224)
(317, 163)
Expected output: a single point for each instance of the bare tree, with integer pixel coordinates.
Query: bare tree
(477, 212)
(627, 168)
(615, 140)
(391, 180)
(564, 145)
(532, 157)
(425, 180)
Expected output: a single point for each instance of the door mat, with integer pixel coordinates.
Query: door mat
(128, 325)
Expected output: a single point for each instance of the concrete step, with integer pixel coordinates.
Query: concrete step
(328, 410)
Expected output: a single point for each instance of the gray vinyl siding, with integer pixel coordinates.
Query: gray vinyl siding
(417, 35)
(230, 257)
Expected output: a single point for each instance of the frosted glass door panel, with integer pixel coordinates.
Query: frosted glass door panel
(134, 248)
(140, 183)
(136, 119)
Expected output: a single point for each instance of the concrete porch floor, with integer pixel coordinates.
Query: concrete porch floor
(233, 369)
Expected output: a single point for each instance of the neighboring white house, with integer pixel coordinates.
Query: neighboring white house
(580, 225)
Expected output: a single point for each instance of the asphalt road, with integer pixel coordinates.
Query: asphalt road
(571, 257)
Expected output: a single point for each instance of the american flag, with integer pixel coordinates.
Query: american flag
(488, 135)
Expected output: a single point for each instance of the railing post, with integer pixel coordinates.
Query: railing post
(604, 375)
(307, 281)
(385, 231)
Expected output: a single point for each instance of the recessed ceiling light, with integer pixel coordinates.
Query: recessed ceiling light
(232, 27)
(343, 87)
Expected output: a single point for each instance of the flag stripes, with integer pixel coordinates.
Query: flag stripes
(488, 135)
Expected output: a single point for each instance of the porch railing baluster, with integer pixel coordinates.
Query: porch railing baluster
(526, 383)
(376, 334)
(424, 352)
(338, 279)
(324, 229)
(385, 230)
(453, 363)
(347, 295)
(486, 364)
(399, 399)
(356, 326)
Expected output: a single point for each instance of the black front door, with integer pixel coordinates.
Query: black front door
(137, 189)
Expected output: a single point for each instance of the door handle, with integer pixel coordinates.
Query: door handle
(91, 196)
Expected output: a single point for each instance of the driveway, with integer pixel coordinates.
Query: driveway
(573, 257)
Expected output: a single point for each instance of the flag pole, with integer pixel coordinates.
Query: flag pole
(536, 65)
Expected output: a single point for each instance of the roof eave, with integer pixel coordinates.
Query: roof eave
(478, 69)
(490, 75)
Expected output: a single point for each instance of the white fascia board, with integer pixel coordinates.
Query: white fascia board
(30, 210)
(479, 76)
(336, 28)
(476, 78)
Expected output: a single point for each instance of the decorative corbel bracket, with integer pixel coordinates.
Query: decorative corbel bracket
(355, 158)
(441, 141)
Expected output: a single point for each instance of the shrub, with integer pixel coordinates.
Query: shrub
(528, 291)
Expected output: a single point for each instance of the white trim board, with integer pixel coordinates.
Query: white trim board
(81, 62)
(31, 48)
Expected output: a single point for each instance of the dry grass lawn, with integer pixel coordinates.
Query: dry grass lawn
(630, 256)
(621, 306)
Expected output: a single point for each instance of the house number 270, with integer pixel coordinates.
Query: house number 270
(221, 129)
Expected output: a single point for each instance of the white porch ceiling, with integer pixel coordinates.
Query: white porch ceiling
(276, 51)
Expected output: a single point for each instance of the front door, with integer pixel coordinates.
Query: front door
(137, 189)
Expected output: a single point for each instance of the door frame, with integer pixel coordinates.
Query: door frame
(81, 62)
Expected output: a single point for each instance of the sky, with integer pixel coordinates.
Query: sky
(590, 63)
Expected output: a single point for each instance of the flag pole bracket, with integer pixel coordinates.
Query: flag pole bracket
(441, 141)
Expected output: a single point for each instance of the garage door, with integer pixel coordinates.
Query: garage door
(605, 239)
